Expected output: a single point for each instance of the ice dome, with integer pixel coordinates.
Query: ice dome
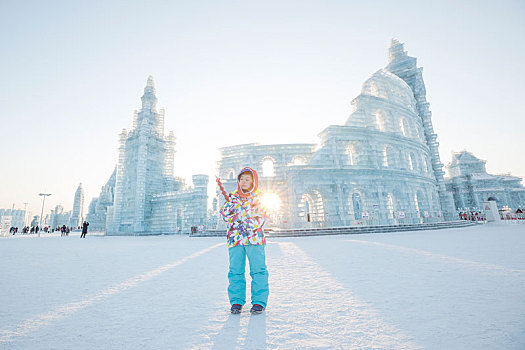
(386, 103)
(388, 86)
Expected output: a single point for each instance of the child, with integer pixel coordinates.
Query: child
(245, 219)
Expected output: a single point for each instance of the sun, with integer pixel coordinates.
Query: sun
(271, 202)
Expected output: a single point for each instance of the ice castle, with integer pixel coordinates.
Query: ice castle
(471, 185)
(143, 197)
(381, 166)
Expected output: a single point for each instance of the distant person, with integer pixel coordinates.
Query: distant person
(85, 225)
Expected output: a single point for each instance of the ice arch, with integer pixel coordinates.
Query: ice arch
(350, 152)
(380, 120)
(298, 161)
(268, 169)
(357, 205)
(403, 124)
(312, 207)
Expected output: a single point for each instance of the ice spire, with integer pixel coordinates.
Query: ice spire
(149, 99)
(396, 51)
(78, 207)
(150, 82)
(148, 117)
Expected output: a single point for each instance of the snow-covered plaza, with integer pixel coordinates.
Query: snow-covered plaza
(445, 289)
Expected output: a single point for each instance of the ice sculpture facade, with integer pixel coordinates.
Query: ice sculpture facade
(179, 210)
(99, 205)
(17, 217)
(470, 184)
(78, 208)
(145, 188)
(381, 167)
(57, 217)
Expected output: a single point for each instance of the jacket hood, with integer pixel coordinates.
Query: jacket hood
(255, 182)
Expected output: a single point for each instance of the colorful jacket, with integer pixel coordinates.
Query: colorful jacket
(245, 215)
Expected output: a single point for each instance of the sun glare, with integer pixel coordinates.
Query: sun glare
(271, 201)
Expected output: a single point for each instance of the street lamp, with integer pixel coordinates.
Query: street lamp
(42, 212)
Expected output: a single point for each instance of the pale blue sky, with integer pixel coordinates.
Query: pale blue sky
(74, 71)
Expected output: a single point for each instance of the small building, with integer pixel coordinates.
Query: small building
(17, 217)
(470, 184)
(57, 217)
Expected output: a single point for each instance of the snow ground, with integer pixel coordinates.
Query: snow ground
(445, 289)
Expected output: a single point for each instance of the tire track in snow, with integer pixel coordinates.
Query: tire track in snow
(307, 308)
(479, 265)
(32, 324)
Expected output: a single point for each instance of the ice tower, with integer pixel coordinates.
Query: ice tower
(78, 208)
(144, 168)
(406, 68)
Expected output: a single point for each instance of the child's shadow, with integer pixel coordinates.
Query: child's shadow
(256, 335)
(228, 336)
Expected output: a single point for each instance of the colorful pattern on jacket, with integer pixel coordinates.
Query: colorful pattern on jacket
(245, 220)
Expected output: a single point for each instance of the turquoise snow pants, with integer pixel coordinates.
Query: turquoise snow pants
(258, 272)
